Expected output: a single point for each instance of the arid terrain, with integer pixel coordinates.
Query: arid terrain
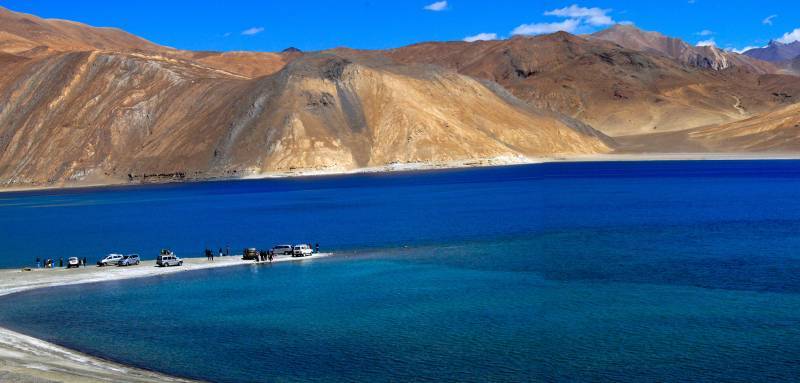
(85, 105)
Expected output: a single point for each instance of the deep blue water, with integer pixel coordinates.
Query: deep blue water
(663, 271)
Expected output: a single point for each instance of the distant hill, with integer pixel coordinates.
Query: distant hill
(709, 57)
(617, 90)
(776, 52)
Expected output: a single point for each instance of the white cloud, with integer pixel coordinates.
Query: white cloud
(568, 25)
(252, 31)
(576, 19)
(768, 20)
(790, 37)
(707, 43)
(437, 6)
(705, 32)
(481, 37)
(226, 34)
(591, 16)
(745, 49)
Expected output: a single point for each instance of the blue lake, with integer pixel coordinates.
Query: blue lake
(661, 271)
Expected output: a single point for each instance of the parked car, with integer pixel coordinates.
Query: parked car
(302, 251)
(73, 262)
(111, 259)
(250, 253)
(129, 260)
(282, 250)
(168, 258)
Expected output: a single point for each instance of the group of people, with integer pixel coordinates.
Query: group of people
(267, 255)
(51, 263)
(210, 253)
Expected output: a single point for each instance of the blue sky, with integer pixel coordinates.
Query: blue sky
(314, 25)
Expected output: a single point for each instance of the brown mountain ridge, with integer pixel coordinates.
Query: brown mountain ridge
(80, 104)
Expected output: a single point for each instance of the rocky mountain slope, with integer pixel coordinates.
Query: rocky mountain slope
(25, 35)
(709, 57)
(617, 90)
(776, 51)
(774, 132)
(103, 117)
(82, 105)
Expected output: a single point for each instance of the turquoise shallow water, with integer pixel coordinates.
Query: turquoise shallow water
(611, 272)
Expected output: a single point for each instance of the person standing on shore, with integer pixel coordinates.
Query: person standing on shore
(316, 248)
(38, 263)
(84, 261)
(220, 252)
(227, 250)
(211, 255)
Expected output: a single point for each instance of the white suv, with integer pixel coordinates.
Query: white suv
(301, 251)
(111, 259)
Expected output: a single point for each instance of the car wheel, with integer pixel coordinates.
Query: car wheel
(180, 263)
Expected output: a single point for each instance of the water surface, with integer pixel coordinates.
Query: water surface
(666, 271)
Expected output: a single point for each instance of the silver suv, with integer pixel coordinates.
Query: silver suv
(129, 260)
(168, 258)
(282, 250)
(111, 259)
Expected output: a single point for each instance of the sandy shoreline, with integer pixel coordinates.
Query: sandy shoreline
(27, 359)
(461, 164)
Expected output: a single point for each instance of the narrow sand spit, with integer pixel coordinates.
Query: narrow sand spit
(27, 359)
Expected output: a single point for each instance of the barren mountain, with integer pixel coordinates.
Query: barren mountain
(108, 117)
(97, 105)
(24, 34)
(617, 90)
(774, 132)
(709, 57)
(776, 52)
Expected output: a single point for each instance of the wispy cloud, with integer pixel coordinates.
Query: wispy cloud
(707, 43)
(252, 31)
(577, 19)
(745, 49)
(592, 16)
(768, 19)
(569, 25)
(436, 7)
(790, 37)
(481, 37)
(705, 32)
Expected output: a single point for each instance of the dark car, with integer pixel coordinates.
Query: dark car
(250, 253)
